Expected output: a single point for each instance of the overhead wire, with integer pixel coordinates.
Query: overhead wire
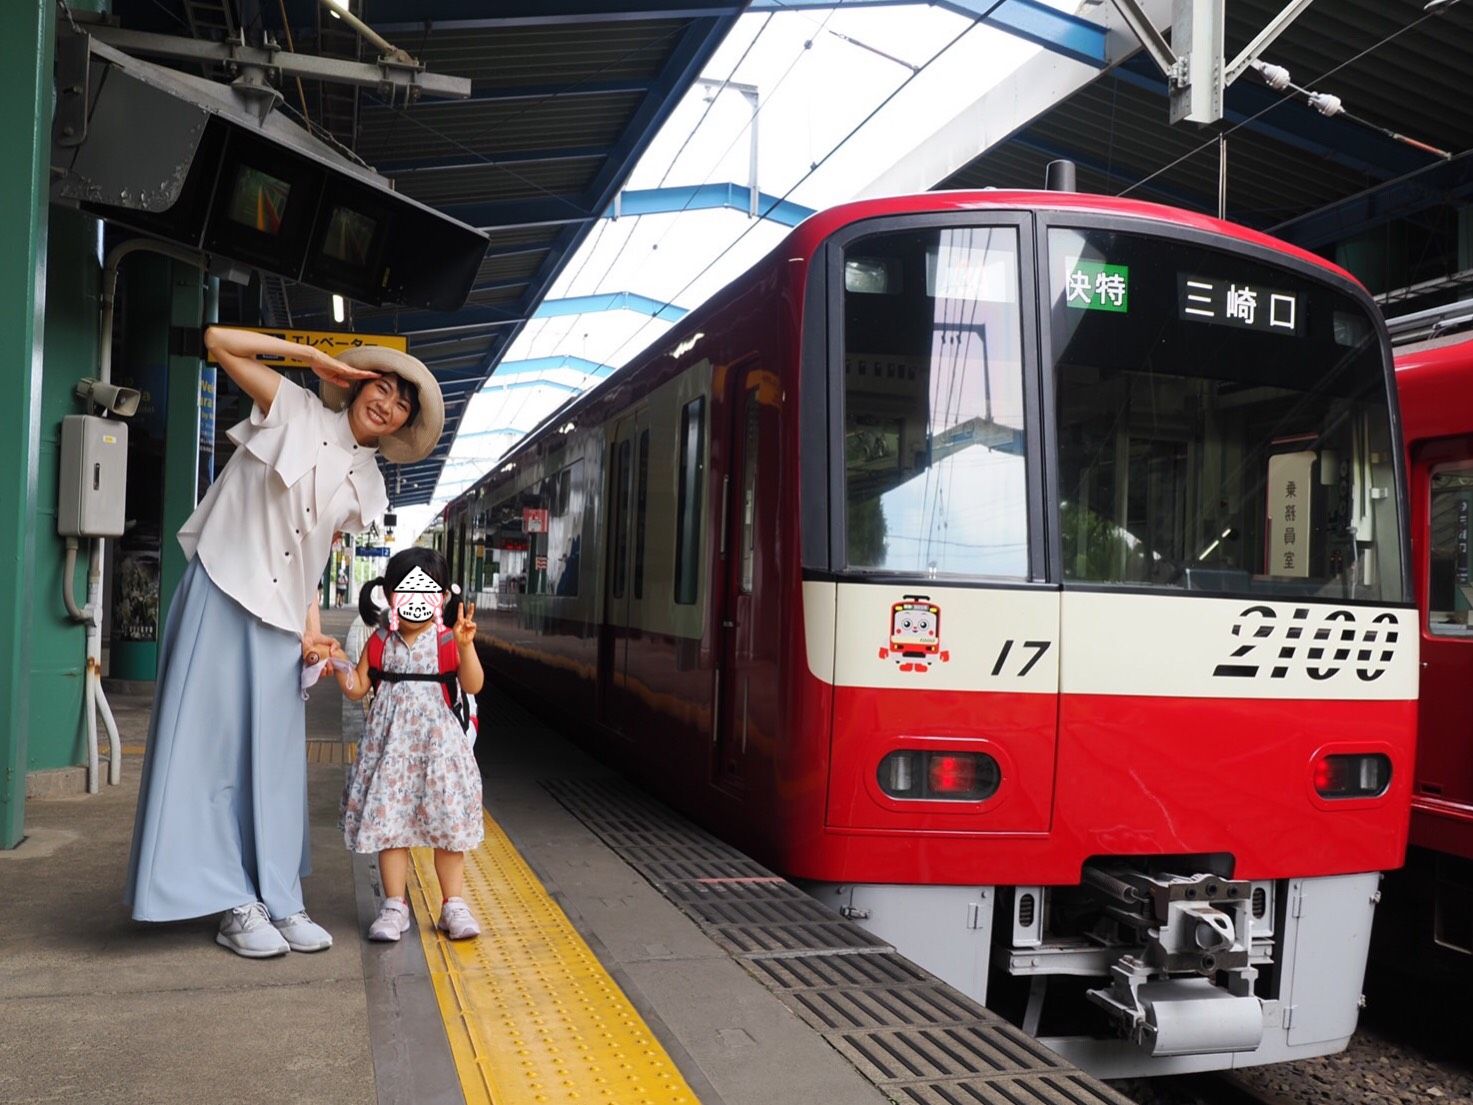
(1213, 141)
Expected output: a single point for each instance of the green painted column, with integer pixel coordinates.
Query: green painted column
(27, 38)
(181, 442)
(58, 644)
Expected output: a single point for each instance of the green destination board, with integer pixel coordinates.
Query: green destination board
(1095, 286)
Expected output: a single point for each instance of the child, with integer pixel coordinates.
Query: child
(369, 614)
(416, 783)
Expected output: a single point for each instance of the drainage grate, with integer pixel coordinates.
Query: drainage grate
(916, 1038)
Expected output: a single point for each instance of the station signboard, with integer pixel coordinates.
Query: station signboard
(331, 342)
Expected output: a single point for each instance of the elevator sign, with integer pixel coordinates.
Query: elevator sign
(1239, 304)
(331, 342)
(1095, 286)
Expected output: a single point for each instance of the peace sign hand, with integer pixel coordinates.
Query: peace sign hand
(465, 625)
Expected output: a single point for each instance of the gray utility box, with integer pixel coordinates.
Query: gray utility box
(94, 476)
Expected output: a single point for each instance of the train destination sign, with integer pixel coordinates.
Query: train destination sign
(1096, 286)
(1231, 303)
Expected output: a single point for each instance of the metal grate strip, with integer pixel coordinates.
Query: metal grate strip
(916, 1038)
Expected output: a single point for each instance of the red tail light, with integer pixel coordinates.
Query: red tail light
(1363, 775)
(939, 776)
(953, 774)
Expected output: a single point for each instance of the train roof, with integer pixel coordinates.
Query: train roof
(1434, 382)
(823, 223)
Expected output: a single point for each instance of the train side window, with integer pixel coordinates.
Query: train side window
(1450, 565)
(641, 502)
(749, 492)
(621, 523)
(688, 500)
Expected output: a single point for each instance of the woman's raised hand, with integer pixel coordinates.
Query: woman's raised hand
(465, 625)
(332, 370)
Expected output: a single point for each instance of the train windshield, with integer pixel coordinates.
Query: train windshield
(934, 428)
(1224, 425)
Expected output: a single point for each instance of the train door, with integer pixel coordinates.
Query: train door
(622, 466)
(1442, 496)
(746, 676)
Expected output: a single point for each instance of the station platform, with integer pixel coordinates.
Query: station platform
(626, 957)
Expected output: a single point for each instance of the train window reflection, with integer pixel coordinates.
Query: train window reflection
(934, 429)
(1450, 567)
(1224, 425)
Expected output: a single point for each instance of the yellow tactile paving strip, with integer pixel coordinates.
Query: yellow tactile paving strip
(532, 1015)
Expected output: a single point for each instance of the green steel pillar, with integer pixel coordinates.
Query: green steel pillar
(27, 36)
(58, 644)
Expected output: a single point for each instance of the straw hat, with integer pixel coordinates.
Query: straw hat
(415, 440)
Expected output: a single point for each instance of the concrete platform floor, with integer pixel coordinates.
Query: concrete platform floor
(97, 1008)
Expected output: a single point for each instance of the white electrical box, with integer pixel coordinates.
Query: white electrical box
(94, 477)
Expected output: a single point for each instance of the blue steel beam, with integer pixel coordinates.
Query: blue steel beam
(610, 301)
(706, 197)
(1442, 182)
(536, 211)
(1036, 22)
(547, 364)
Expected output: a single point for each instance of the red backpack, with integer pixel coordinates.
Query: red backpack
(448, 677)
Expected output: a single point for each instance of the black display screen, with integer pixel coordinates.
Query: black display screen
(258, 200)
(350, 237)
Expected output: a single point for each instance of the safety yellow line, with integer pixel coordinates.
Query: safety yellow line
(532, 1015)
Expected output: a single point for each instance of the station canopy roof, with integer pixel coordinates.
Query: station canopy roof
(566, 94)
(609, 150)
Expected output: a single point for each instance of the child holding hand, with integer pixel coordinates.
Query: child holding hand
(416, 783)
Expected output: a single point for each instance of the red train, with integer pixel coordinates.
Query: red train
(1138, 471)
(1434, 380)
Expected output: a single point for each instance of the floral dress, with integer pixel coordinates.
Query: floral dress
(416, 783)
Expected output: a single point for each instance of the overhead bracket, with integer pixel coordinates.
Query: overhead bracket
(1194, 62)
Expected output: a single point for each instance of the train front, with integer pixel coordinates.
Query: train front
(1107, 623)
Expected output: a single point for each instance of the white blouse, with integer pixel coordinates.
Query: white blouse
(264, 530)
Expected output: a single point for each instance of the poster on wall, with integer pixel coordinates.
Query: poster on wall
(136, 588)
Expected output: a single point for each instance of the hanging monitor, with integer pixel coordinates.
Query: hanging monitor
(214, 173)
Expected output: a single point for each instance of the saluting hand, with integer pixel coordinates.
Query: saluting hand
(465, 625)
(335, 371)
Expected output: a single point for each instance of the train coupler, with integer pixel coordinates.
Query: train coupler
(1178, 1016)
(1188, 988)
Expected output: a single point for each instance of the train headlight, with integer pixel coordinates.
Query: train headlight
(939, 776)
(1354, 775)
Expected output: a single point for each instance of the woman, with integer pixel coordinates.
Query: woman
(222, 823)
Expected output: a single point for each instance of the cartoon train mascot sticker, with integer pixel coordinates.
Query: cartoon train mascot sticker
(915, 634)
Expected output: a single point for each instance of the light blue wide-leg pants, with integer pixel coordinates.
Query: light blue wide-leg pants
(222, 808)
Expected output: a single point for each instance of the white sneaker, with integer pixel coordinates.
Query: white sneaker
(246, 930)
(392, 921)
(303, 934)
(457, 921)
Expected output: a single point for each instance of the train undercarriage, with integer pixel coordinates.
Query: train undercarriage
(1145, 967)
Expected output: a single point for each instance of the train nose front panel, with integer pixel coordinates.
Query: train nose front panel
(945, 708)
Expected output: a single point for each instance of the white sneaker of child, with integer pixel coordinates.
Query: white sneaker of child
(247, 930)
(392, 921)
(457, 921)
(303, 934)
